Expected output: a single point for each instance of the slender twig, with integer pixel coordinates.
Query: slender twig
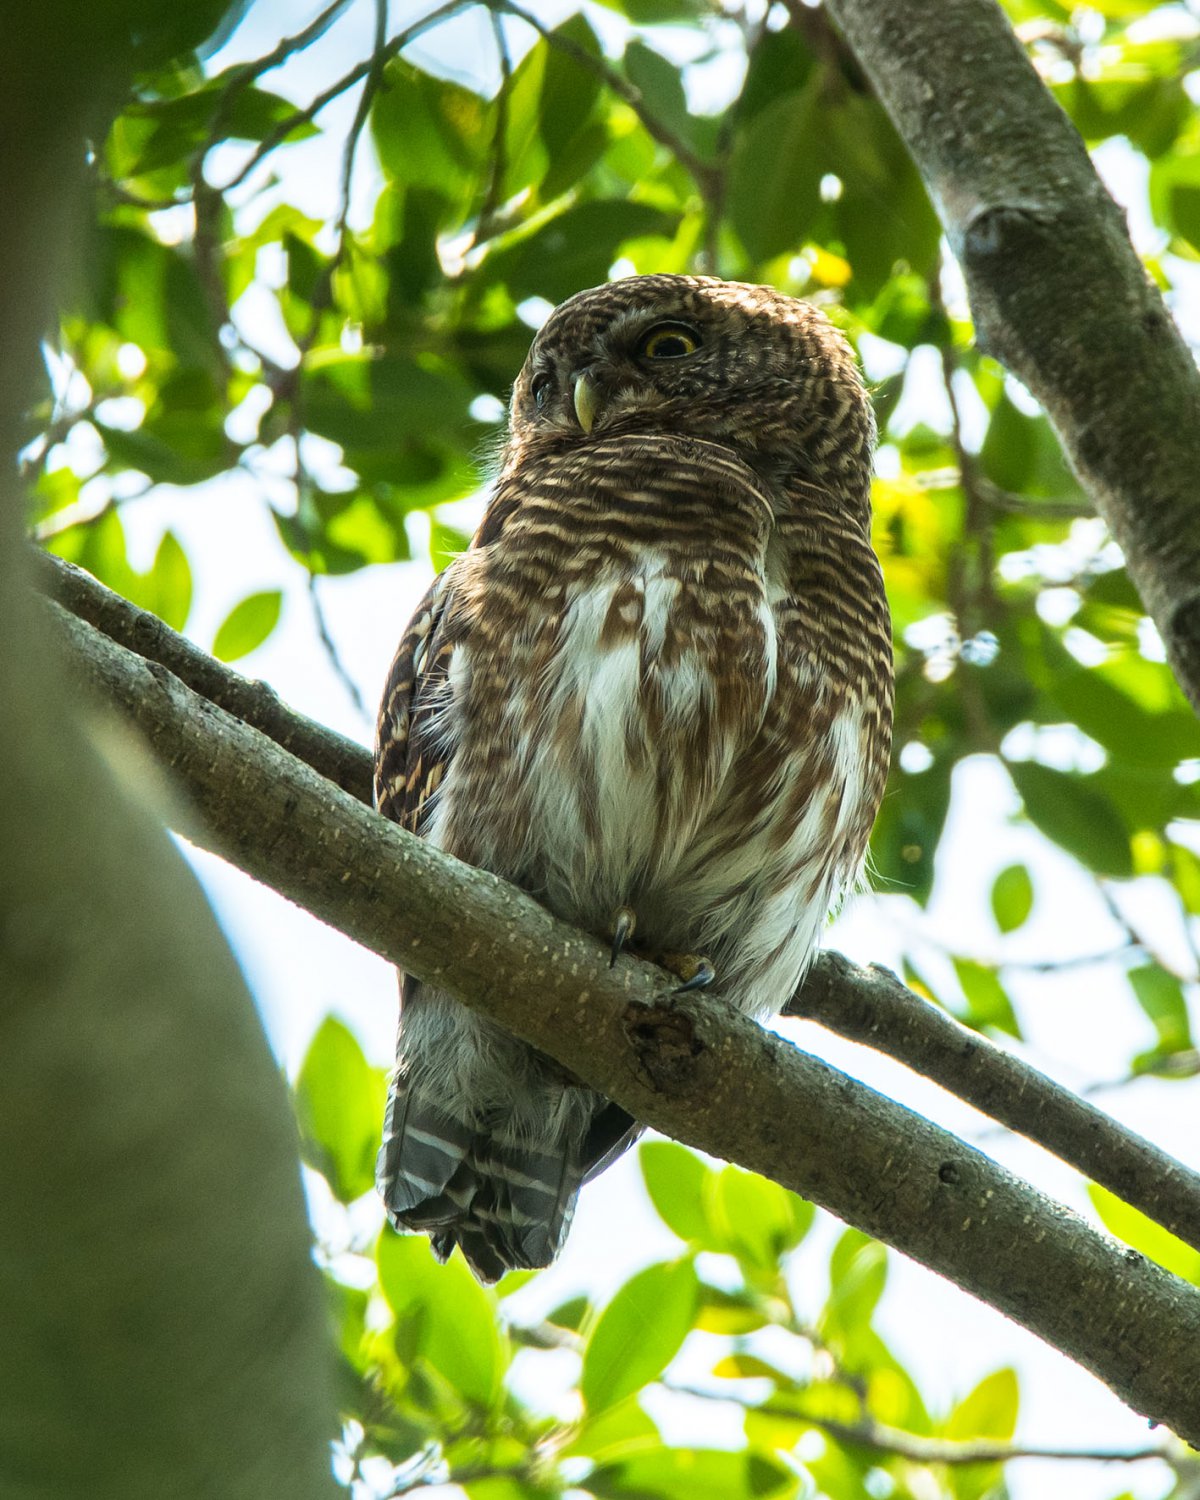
(499, 156)
(245, 72)
(877, 1437)
(237, 79)
(1135, 937)
(1002, 500)
(331, 650)
(371, 84)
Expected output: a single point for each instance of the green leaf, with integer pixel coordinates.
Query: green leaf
(247, 625)
(656, 12)
(550, 102)
(989, 1411)
(446, 1315)
(730, 1313)
(1012, 897)
(171, 578)
(393, 405)
(1083, 821)
(1161, 996)
(698, 1473)
(639, 1333)
(775, 175)
(987, 1003)
(1144, 1235)
(906, 833)
(339, 1105)
(614, 1433)
(857, 1276)
(574, 249)
(660, 84)
(431, 133)
(754, 1218)
(1130, 706)
(675, 1178)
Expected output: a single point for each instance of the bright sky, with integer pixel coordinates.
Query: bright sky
(1081, 1027)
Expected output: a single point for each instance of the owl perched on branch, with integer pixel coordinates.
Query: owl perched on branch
(656, 693)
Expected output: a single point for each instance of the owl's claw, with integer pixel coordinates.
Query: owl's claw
(695, 970)
(623, 923)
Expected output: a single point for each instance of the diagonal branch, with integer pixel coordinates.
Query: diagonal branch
(1057, 291)
(686, 1065)
(866, 1005)
(878, 1437)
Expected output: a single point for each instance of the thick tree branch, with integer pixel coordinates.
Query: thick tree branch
(871, 1006)
(867, 1005)
(337, 758)
(686, 1065)
(1057, 292)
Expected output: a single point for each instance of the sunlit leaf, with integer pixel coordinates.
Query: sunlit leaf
(339, 1104)
(639, 1333)
(698, 1473)
(1161, 996)
(989, 1411)
(1144, 1235)
(754, 1218)
(448, 1315)
(1012, 897)
(247, 625)
(674, 1178)
(988, 1006)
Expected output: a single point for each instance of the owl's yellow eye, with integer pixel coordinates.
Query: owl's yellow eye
(669, 341)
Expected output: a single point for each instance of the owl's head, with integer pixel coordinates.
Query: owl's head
(741, 365)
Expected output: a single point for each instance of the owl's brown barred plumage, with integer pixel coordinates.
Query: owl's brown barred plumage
(660, 679)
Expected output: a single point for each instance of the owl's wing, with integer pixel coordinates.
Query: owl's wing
(409, 763)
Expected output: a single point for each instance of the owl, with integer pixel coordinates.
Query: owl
(656, 693)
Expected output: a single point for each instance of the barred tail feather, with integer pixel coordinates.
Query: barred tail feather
(507, 1204)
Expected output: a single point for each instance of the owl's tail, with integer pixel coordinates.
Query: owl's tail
(507, 1204)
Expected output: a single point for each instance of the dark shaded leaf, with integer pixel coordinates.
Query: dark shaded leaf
(1070, 811)
(775, 174)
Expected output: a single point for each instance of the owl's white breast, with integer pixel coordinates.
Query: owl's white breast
(624, 749)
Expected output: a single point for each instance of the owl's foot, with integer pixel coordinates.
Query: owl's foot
(695, 970)
(624, 921)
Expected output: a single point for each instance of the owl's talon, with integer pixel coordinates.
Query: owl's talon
(623, 924)
(695, 971)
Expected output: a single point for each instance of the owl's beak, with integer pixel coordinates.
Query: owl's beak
(587, 401)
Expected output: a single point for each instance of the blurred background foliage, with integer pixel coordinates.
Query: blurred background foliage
(647, 135)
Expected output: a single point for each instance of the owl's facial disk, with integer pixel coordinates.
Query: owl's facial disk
(582, 389)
